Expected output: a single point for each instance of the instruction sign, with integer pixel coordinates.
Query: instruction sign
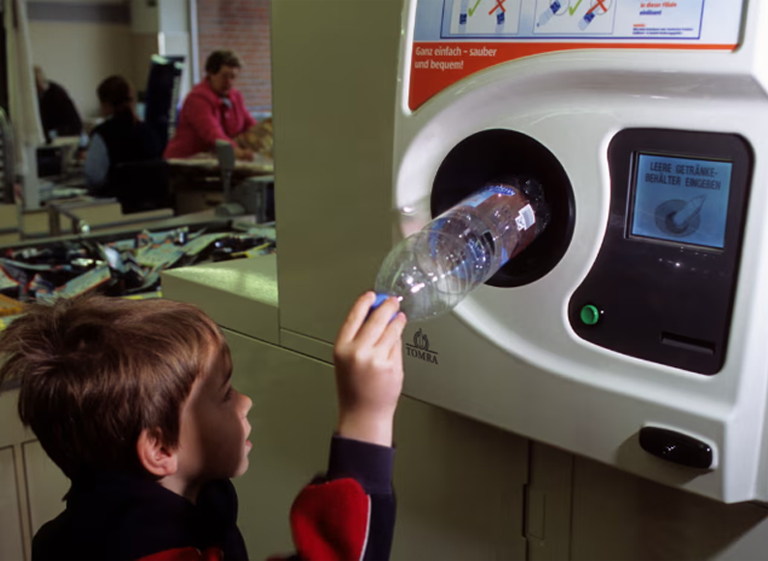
(455, 38)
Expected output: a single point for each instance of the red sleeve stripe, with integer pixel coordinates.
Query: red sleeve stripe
(330, 521)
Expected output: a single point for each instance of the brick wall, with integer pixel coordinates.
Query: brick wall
(241, 25)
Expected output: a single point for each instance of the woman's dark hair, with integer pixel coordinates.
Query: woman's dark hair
(115, 91)
(217, 59)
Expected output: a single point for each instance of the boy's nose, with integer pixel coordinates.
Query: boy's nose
(246, 405)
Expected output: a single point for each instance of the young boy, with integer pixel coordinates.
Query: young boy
(133, 401)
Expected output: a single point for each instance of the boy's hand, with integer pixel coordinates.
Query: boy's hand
(369, 370)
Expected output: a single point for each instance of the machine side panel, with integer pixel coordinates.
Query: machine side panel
(334, 78)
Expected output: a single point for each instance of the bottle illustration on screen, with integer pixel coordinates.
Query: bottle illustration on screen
(598, 8)
(484, 17)
(500, 22)
(463, 16)
(573, 9)
(680, 218)
(551, 10)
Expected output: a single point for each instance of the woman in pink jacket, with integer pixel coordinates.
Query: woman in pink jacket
(213, 110)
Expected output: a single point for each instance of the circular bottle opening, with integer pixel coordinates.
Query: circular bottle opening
(491, 156)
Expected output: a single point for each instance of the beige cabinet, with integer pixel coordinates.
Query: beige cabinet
(619, 516)
(11, 533)
(460, 484)
(460, 487)
(31, 486)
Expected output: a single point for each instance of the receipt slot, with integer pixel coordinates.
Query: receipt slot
(636, 334)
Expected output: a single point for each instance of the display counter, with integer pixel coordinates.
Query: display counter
(240, 294)
(129, 262)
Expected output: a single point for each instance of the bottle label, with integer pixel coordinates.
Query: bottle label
(512, 214)
(525, 218)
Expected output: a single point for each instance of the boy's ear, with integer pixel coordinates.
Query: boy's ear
(156, 458)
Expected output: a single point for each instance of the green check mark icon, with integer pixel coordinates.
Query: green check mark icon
(572, 11)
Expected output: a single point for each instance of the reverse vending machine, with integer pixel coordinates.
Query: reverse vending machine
(634, 330)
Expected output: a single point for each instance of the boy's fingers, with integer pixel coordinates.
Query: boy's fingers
(396, 353)
(355, 318)
(392, 333)
(371, 331)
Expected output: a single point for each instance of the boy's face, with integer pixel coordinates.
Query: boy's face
(213, 439)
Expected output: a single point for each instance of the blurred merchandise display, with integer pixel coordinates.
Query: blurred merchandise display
(129, 265)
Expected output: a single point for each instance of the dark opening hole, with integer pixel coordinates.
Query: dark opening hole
(493, 156)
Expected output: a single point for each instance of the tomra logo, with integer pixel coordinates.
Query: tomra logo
(420, 348)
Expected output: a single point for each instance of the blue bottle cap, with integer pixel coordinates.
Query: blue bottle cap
(380, 299)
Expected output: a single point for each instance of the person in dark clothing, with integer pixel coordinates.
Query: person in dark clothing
(121, 138)
(133, 401)
(58, 114)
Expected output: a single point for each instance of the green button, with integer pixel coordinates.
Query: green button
(590, 315)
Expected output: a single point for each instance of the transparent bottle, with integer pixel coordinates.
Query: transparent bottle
(434, 269)
(553, 8)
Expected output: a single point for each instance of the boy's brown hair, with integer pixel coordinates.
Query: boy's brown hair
(95, 372)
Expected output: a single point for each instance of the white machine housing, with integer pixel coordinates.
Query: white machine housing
(508, 356)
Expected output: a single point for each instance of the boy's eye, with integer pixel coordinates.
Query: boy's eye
(228, 395)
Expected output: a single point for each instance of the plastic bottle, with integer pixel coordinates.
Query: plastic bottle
(586, 20)
(434, 269)
(553, 8)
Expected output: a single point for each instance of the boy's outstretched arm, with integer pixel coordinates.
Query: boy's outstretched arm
(350, 514)
(369, 370)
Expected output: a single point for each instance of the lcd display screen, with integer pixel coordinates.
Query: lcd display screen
(681, 200)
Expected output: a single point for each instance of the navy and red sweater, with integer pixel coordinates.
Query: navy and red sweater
(347, 515)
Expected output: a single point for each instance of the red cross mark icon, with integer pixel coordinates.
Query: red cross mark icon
(500, 6)
(598, 4)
